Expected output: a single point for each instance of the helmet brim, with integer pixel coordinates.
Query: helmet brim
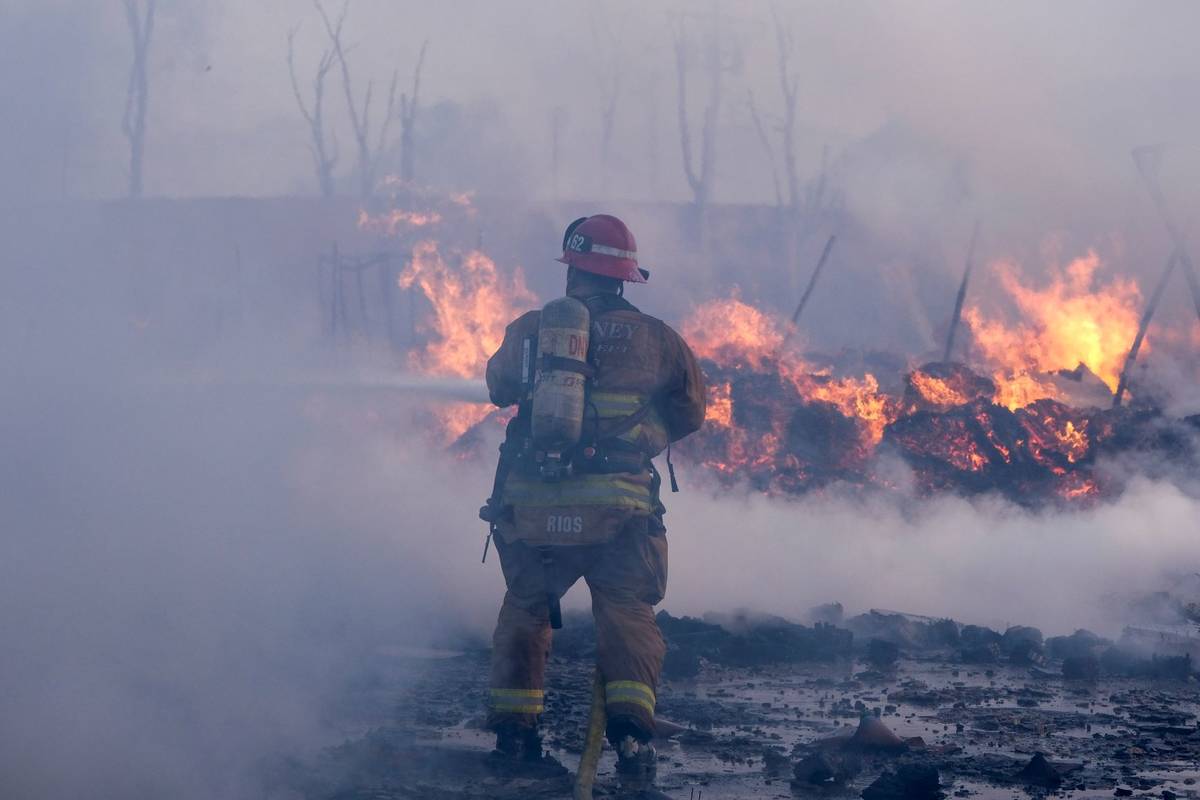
(623, 269)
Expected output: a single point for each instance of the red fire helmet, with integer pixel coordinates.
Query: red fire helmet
(601, 244)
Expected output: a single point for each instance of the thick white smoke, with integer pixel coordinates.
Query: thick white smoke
(984, 561)
(192, 569)
(192, 574)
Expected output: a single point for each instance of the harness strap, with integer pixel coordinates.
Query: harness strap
(625, 424)
(564, 364)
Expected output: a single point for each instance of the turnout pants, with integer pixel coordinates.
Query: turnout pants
(627, 577)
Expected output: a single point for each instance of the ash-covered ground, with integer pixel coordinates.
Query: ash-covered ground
(881, 705)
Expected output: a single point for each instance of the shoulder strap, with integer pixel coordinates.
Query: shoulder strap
(606, 301)
(599, 304)
(566, 365)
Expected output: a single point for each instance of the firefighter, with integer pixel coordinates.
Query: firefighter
(591, 510)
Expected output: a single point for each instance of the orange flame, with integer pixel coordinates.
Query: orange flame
(456, 418)
(937, 391)
(1071, 321)
(856, 399)
(736, 336)
(472, 304)
(729, 332)
(390, 223)
(719, 410)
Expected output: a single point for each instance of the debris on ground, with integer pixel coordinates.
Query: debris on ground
(907, 782)
(1040, 772)
(888, 705)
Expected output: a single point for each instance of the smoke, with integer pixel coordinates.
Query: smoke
(983, 561)
(1040, 105)
(193, 573)
(212, 523)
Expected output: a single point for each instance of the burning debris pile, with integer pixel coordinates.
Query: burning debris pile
(784, 435)
(1034, 421)
(1035, 430)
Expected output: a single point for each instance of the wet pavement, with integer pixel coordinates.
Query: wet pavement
(413, 729)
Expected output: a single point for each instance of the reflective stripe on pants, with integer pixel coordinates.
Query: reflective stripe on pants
(629, 693)
(627, 577)
(518, 701)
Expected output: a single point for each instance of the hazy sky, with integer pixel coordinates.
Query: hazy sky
(1037, 98)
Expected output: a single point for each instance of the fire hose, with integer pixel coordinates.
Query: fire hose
(593, 743)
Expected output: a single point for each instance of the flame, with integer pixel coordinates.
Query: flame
(729, 332)
(1073, 320)
(1078, 488)
(401, 217)
(937, 391)
(731, 336)
(1057, 437)
(781, 424)
(472, 304)
(1073, 441)
(719, 411)
(856, 399)
(454, 419)
(390, 223)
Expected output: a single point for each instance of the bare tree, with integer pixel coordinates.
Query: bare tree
(700, 177)
(608, 116)
(652, 143)
(137, 95)
(765, 141)
(558, 123)
(408, 120)
(323, 159)
(609, 58)
(789, 83)
(360, 117)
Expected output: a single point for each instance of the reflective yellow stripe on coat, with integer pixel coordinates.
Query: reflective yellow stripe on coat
(651, 431)
(619, 491)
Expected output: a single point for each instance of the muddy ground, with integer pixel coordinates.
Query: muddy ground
(769, 708)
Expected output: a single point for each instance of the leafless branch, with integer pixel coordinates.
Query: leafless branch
(685, 128)
(408, 120)
(360, 117)
(324, 160)
(137, 94)
(789, 88)
(609, 61)
(388, 116)
(765, 141)
(700, 180)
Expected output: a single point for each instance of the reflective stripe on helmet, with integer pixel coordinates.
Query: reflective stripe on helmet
(605, 250)
(579, 243)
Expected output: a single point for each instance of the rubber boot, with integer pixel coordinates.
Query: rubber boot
(636, 759)
(519, 751)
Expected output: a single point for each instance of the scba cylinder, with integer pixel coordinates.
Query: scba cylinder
(558, 389)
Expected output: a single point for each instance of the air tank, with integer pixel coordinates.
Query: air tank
(558, 389)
